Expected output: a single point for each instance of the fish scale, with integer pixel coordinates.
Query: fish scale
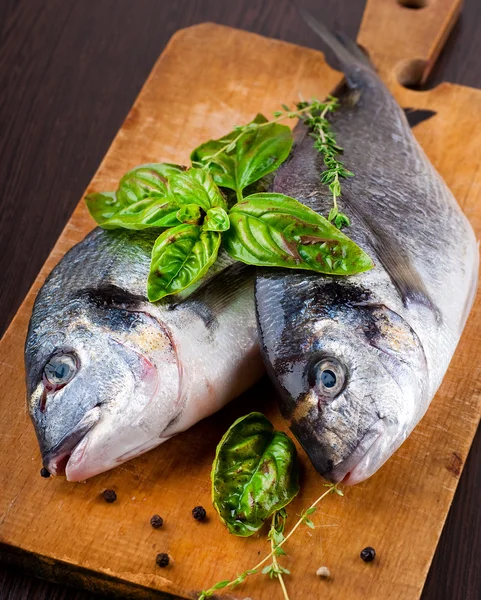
(385, 336)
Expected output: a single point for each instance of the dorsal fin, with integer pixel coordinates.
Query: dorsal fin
(347, 52)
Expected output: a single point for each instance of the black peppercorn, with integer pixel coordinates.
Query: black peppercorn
(156, 521)
(199, 513)
(162, 559)
(44, 473)
(368, 554)
(109, 496)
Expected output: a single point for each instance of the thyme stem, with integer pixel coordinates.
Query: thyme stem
(316, 119)
(332, 488)
(331, 105)
(275, 562)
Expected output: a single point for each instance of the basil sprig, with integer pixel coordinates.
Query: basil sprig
(190, 206)
(255, 473)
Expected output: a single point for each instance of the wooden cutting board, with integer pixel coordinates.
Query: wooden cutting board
(208, 79)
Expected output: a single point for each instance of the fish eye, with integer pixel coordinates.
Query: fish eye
(328, 376)
(59, 370)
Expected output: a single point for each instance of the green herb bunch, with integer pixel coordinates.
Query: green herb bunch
(206, 207)
(254, 477)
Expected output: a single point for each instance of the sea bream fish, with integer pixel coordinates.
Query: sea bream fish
(111, 375)
(358, 359)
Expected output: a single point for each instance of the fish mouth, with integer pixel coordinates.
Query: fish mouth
(358, 466)
(56, 459)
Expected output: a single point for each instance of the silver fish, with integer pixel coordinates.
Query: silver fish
(358, 360)
(111, 375)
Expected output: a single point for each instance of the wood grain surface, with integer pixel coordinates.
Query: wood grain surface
(62, 93)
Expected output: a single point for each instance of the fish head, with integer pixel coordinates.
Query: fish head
(352, 385)
(103, 383)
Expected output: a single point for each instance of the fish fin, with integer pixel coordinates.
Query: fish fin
(403, 274)
(212, 298)
(347, 51)
(354, 49)
(415, 116)
(401, 271)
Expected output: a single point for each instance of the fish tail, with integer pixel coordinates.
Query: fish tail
(348, 52)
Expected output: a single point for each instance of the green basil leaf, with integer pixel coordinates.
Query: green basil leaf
(216, 219)
(180, 256)
(278, 231)
(144, 214)
(145, 181)
(136, 185)
(255, 473)
(257, 152)
(195, 186)
(260, 152)
(222, 167)
(102, 205)
(189, 213)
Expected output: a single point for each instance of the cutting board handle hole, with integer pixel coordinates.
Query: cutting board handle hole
(410, 73)
(413, 3)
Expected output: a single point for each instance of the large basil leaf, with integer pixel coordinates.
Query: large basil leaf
(257, 152)
(102, 205)
(260, 152)
(134, 187)
(195, 186)
(180, 256)
(145, 181)
(278, 231)
(254, 474)
(144, 214)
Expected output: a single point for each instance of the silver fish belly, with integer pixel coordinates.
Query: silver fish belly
(357, 360)
(111, 375)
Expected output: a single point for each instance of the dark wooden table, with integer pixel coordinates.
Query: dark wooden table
(69, 72)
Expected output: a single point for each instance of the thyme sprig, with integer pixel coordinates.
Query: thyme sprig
(276, 536)
(315, 117)
(277, 539)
